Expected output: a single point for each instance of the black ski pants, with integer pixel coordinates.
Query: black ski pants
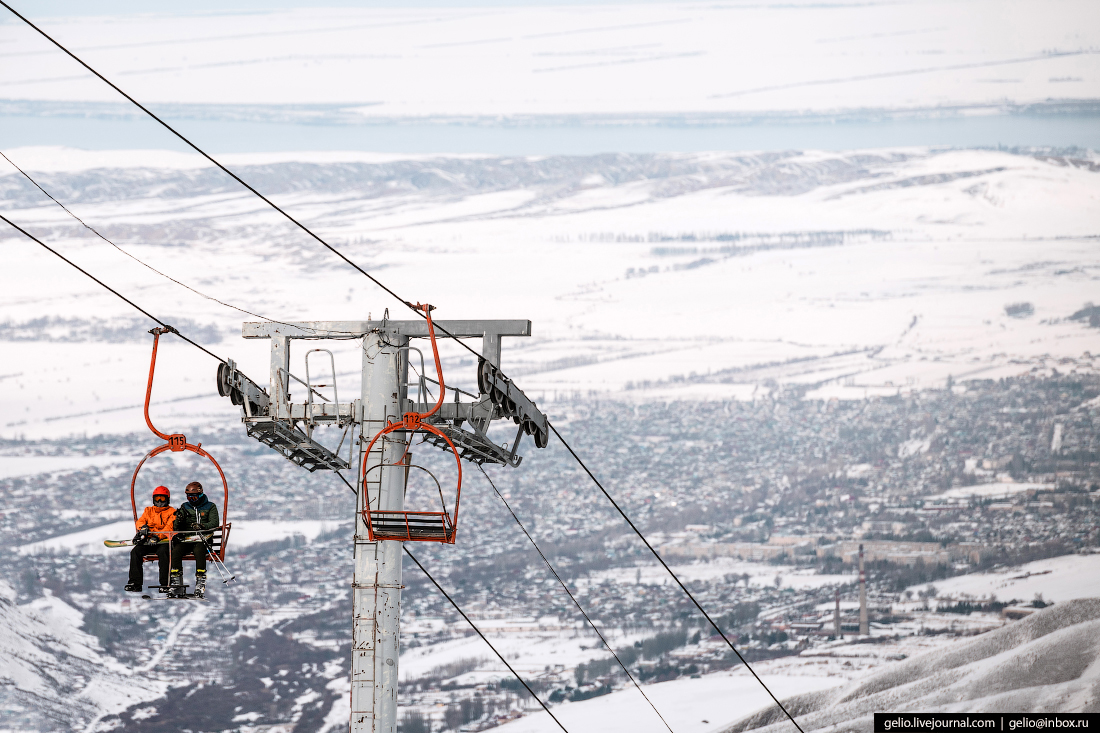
(198, 549)
(139, 553)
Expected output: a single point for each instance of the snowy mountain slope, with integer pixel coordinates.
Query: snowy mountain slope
(53, 674)
(677, 63)
(649, 276)
(1047, 662)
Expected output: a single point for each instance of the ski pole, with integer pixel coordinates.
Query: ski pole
(220, 566)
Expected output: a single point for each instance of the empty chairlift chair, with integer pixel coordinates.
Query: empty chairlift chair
(414, 526)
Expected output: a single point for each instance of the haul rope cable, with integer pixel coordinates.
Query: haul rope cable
(574, 599)
(476, 629)
(411, 307)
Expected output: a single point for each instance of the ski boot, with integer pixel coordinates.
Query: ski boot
(132, 588)
(175, 585)
(200, 584)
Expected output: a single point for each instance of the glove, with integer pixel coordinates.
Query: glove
(141, 535)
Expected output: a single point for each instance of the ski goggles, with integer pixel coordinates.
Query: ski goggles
(160, 501)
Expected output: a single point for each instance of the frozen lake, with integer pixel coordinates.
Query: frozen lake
(221, 136)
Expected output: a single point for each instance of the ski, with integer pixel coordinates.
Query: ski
(125, 543)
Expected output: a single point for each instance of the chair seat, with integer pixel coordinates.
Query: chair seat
(411, 526)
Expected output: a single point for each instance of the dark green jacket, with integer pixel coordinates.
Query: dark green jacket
(202, 517)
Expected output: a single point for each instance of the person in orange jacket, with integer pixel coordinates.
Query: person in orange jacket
(153, 527)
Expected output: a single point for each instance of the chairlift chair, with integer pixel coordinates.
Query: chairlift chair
(406, 526)
(177, 442)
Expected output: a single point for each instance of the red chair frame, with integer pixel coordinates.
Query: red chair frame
(414, 422)
(177, 442)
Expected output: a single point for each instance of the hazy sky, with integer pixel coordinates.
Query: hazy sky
(111, 7)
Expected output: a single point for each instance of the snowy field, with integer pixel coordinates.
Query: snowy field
(43, 648)
(13, 466)
(245, 532)
(663, 277)
(690, 706)
(1057, 580)
(997, 490)
(766, 574)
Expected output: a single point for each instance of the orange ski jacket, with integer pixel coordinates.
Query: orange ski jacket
(158, 518)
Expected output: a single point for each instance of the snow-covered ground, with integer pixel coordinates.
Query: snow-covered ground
(788, 576)
(11, 466)
(1046, 663)
(689, 705)
(1057, 580)
(49, 659)
(651, 278)
(997, 490)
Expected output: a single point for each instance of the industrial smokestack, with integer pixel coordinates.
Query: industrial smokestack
(864, 626)
(836, 617)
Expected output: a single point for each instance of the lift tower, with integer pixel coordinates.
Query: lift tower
(382, 474)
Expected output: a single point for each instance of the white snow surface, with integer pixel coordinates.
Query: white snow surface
(690, 705)
(998, 490)
(1046, 663)
(1057, 579)
(637, 60)
(11, 466)
(60, 668)
(760, 574)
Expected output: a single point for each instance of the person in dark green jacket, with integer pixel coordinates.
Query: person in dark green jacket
(197, 518)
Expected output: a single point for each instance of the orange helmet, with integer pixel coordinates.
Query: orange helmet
(162, 491)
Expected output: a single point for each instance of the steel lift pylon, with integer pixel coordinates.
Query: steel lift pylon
(270, 417)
